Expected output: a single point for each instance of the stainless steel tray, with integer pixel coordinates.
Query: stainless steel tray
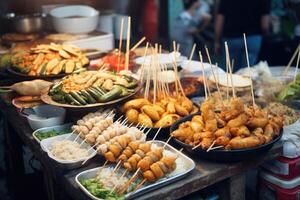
(188, 163)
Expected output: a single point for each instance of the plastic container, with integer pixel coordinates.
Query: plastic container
(44, 116)
(272, 188)
(285, 168)
(67, 164)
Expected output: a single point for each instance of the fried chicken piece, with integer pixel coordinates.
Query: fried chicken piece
(242, 143)
(222, 132)
(238, 121)
(240, 131)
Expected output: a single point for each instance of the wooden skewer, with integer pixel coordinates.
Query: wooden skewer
(156, 134)
(120, 43)
(230, 70)
(195, 147)
(250, 73)
(143, 65)
(167, 141)
(139, 185)
(203, 76)
(128, 43)
(212, 70)
(227, 81)
(217, 147)
(134, 176)
(176, 72)
(297, 65)
(138, 43)
(285, 71)
(213, 143)
(174, 63)
(192, 52)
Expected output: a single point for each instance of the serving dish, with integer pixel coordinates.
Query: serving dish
(44, 116)
(189, 165)
(48, 100)
(66, 19)
(221, 155)
(67, 164)
(62, 127)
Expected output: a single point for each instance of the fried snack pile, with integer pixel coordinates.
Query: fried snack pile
(235, 126)
(160, 114)
(49, 60)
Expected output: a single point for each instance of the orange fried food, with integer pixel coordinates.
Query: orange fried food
(238, 121)
(240, 131)
(222, 141)
(242, 143)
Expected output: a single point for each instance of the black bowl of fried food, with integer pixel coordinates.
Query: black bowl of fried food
(219, 153)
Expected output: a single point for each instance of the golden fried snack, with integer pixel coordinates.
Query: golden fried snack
(159, 109)
(222, 132)
(211, 125)
(145, 120)
(196, 126)
(195, 109)
(257, 122)
(151, 112)
(136, 104)
(199, 119)
(187, 104)
(220, 122)
(206, 143)
(242, 143)
(149, 176)
(222, 141)
(259, 133)
(236, 108)
(171, 108)
(240, 131)
(132, 115)
(155, 168)
(268, 132)
(238, 121)
(167, 120)
(181, 110)
(207, 110)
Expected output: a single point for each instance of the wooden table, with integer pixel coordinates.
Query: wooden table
(206, 173)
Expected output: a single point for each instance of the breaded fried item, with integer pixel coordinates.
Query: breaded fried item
(149, 176)
(238, 121)
(206, 143)
(240, 131)
(222, 132)
(242, 143)
(257, 122)
(155, 168)
(222, 141)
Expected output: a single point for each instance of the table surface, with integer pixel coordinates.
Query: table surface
(205, 174)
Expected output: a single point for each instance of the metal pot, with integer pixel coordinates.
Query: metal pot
(26, 23)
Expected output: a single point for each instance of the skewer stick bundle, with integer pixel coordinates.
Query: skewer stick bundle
(120, 43)
(212, 70)
(230, 69)
(285, 71)
(297, 65)
(203, 76)
(128, 43)
(250, 73)
(143, 65)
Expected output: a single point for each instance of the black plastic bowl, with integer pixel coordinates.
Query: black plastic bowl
(221, 155)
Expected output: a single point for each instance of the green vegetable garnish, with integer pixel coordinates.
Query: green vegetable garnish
(47, 134)
(97, 190)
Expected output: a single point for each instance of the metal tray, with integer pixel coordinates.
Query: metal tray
(222, 155)
(56, 128)
(189, 166)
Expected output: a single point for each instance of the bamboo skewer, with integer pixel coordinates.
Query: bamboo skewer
(284, 72)
(138, 43)
(212, 70)
(230, 69)
(176, 84)
(176, 71)
(297, 65)
(203, 76)
(195, 147)
(209, 148)
(250, 73)
(128, 43)
(120, 43)
(143, 65)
